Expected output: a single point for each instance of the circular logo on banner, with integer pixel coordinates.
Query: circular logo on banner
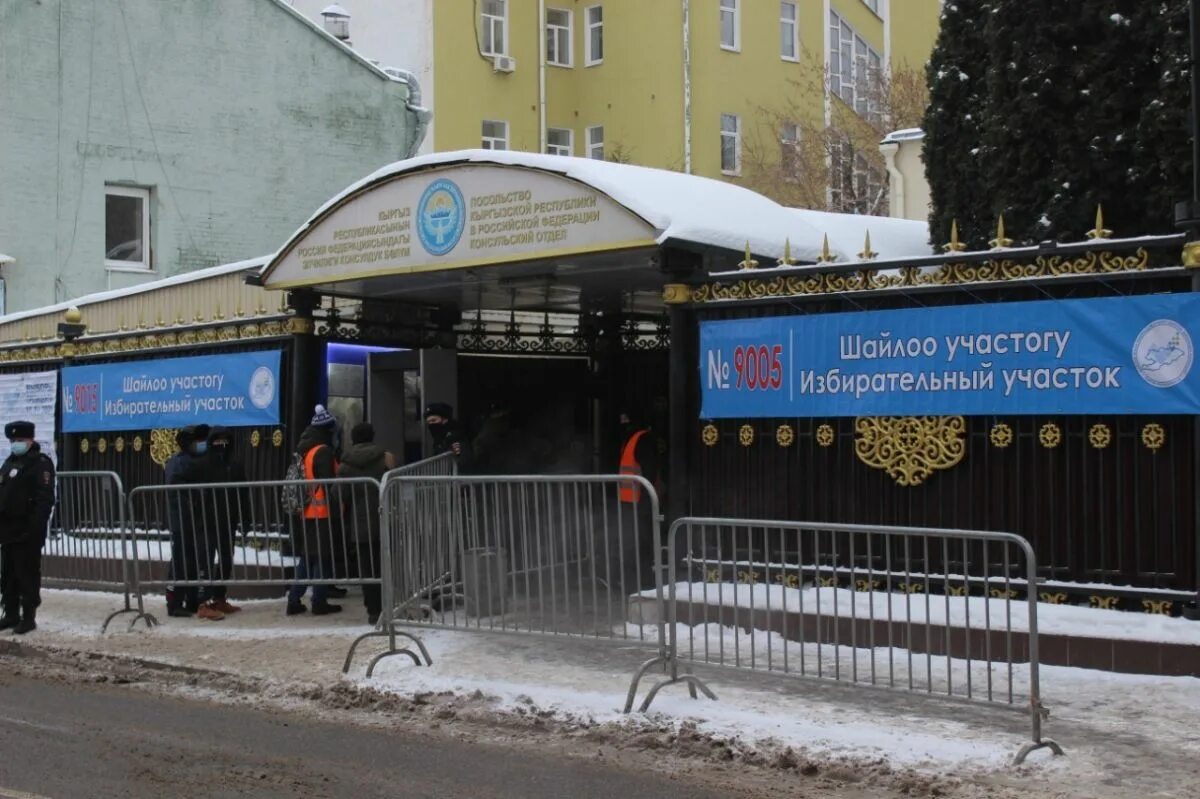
(441, 217)
(1163, 353)
(262, 388)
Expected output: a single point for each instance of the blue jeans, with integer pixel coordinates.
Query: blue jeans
(308, 569)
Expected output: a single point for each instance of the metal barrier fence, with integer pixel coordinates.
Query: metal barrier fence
(444, 465)
(217, 535)
(857, 604)
(87, 545)
(544, 555)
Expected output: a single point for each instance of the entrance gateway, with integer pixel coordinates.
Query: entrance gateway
(519, 286)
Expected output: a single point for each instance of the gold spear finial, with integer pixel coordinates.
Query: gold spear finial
(1000, 242)
(787, 259)
(867, 254)
(1099, 231)
(955, 245)
(826, 256)
(749, 263)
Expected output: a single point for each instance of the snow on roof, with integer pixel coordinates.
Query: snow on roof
(891, 238)
(335, 11)
(6, 259)
(141, 288)
(908, 134)
(682, 207)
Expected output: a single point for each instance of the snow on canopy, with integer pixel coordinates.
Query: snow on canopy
(680, 207)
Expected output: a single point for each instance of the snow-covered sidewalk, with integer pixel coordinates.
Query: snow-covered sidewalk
(1125, 736)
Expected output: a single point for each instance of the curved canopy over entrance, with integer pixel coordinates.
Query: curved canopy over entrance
(477, 228)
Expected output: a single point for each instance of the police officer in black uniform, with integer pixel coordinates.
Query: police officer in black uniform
(26, 501)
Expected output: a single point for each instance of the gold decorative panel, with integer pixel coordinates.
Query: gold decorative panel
(277, 439)
(255, 438)
(910, 448)
(162, 446)
(746, 435)
(825, 435)
(785, 436)
(1153, 436)
(710, 435)
(1050, 435)
(1001, 435)
(1100, 436)
(137, 443)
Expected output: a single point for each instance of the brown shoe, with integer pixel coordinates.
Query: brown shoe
(223, 606)
(209, 613)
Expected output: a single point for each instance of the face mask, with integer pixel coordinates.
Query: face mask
(19, 448)
(201, 447)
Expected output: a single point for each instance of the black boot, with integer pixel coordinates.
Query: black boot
(9, 620)
(28, 622)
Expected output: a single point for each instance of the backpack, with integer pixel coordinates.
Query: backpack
(292, 497)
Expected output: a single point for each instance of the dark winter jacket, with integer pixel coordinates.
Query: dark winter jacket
(219, 511)
(445, 436)
(26, 497)
(360, 500)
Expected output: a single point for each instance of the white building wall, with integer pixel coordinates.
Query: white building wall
(396, 33)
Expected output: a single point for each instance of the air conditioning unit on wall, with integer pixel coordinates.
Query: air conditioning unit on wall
(504, 63)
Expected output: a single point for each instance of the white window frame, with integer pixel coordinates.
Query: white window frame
(789, 150)
(489, 142)
(794, 22)
(733, 8)
(558, 149)
(489, 22)
(589, 26)
(561, 35)
(851, 63)
(736, 135)
(874, 5)
(143, 194)
(595, 142)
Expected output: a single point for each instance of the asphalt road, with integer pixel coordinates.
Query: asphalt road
(61, 740)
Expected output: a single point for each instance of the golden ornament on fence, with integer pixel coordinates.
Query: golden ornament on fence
(119, 444)
(910, 448)
(1153, 436)
(84, 446)
(277, 439)
(163, 445)
(255, 438)
(137, 443)
(785, 436)
(1050, 435)
(710, 435)
(1001, 435)
(1100, 436)
(746, 435)
(102, 445)
(825, 435)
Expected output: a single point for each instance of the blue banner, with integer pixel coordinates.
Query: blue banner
(237, 390)
(1117, 355)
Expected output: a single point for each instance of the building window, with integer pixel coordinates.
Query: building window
(789, 151)
(595, 142)
(494, 19)
(731, 25)
(856, 186)
(873, 5)
(126, 228)
(731, 144)
(560, 141)
(558, 37)
(855, 68)
(595, 35)
(789, 31)
(495, 135)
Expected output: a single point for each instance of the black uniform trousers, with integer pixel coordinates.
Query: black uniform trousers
(21, 575)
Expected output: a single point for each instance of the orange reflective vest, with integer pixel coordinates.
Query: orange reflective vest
(631, 492)
(318, 502)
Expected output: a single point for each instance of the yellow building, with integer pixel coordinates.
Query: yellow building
(706, 86)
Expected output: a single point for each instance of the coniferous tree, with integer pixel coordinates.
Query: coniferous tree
(1078, 103)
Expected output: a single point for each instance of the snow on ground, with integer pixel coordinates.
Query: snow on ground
(155, 549)
(1125, 735)
(995, 614)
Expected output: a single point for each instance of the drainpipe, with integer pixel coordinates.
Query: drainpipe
(687, 86)
(413, 104)
(542, 76)
(896, 178)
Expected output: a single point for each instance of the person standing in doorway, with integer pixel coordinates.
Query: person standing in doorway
(26, 502)
(365, 458)
(639, 457)
(447, 433)
(318, 527)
